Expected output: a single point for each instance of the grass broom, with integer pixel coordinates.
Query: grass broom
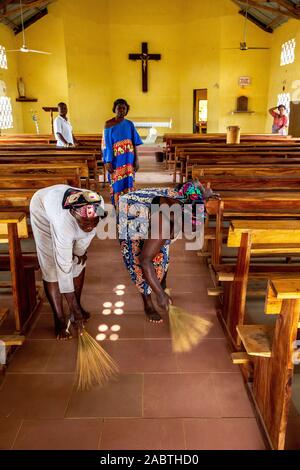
(186, 330)
(94, 365)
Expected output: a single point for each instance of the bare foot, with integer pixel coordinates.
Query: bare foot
(153, 316)
(62, 333)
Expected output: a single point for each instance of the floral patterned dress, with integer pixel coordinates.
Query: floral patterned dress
(118, 149)
(133, 225)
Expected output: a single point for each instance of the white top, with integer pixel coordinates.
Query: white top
(57, 236)
(64, 127)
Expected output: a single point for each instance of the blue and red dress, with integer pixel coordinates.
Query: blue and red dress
(118, 149)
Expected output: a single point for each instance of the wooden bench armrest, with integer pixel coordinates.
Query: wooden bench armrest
(257, 339)
(286, 288)
(240, 358)
(12, 340)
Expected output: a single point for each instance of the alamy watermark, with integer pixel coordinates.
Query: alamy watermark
(156, 221)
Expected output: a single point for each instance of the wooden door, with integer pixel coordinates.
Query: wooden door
(200, 111)
(294, 119)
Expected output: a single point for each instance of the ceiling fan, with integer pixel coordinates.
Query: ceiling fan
(24, 47)
(243, 44)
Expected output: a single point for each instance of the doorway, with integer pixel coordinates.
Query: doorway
(294, 119)
(200, 111)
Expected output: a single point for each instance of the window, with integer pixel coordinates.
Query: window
(6, 117)
(284, 98)
(3, 59)
(288, 52)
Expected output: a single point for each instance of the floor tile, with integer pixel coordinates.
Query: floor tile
(144, 356)
(179, 395)
(63, 357)
(62, 434)
(142, 434)
(35, 395)
(119, 398)
(211, 355)
(232, 397)
(33, 356)
(223, 434)
(130, 326)
(9, 428)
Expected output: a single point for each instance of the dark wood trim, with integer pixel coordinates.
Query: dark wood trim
(26, 100)
(194, 114)
(258, 23)
(31, 20)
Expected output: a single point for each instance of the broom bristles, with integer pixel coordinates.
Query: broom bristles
(186, 330)
(94, 364)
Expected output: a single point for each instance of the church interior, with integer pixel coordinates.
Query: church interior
(211, 94)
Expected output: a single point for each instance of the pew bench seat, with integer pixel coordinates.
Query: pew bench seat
(210, 233)
(225, 272)
(30, 261)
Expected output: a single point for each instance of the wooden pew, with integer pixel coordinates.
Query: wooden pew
(250, 177)
(16, 199)
(14, 181)
(187, 162)
(84, 139)
(45, 159)
(189, 139)
(271, 352)
(78, 170)
(186, 150)
(13, 226)
(249, 191)
(258, 237)
(246, 205)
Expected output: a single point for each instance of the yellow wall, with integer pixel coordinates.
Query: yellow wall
(45, 76)
(88, 62)
(235, 63)
(89, 67)
(9, 76)
(281, 76)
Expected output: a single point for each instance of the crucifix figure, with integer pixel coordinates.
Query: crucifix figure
(144, 57)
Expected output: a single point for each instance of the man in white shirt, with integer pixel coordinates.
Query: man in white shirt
(63, 129)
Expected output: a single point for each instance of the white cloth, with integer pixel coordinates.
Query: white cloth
(64, 127)
(57, 237)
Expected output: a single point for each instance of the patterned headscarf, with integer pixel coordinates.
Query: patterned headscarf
(191, 192)
(192, 195)
(87, 204)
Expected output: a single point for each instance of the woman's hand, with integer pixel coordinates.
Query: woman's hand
(164, 301)
(81, 259)
(109, 168)
(136, 165)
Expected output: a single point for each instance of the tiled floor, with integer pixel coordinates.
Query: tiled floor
(160, 400)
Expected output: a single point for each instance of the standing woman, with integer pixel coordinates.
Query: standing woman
(280, 122)
(120, 140)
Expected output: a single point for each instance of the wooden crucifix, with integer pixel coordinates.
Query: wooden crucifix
(144, 56)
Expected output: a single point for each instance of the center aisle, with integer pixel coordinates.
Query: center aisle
(161, 400)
